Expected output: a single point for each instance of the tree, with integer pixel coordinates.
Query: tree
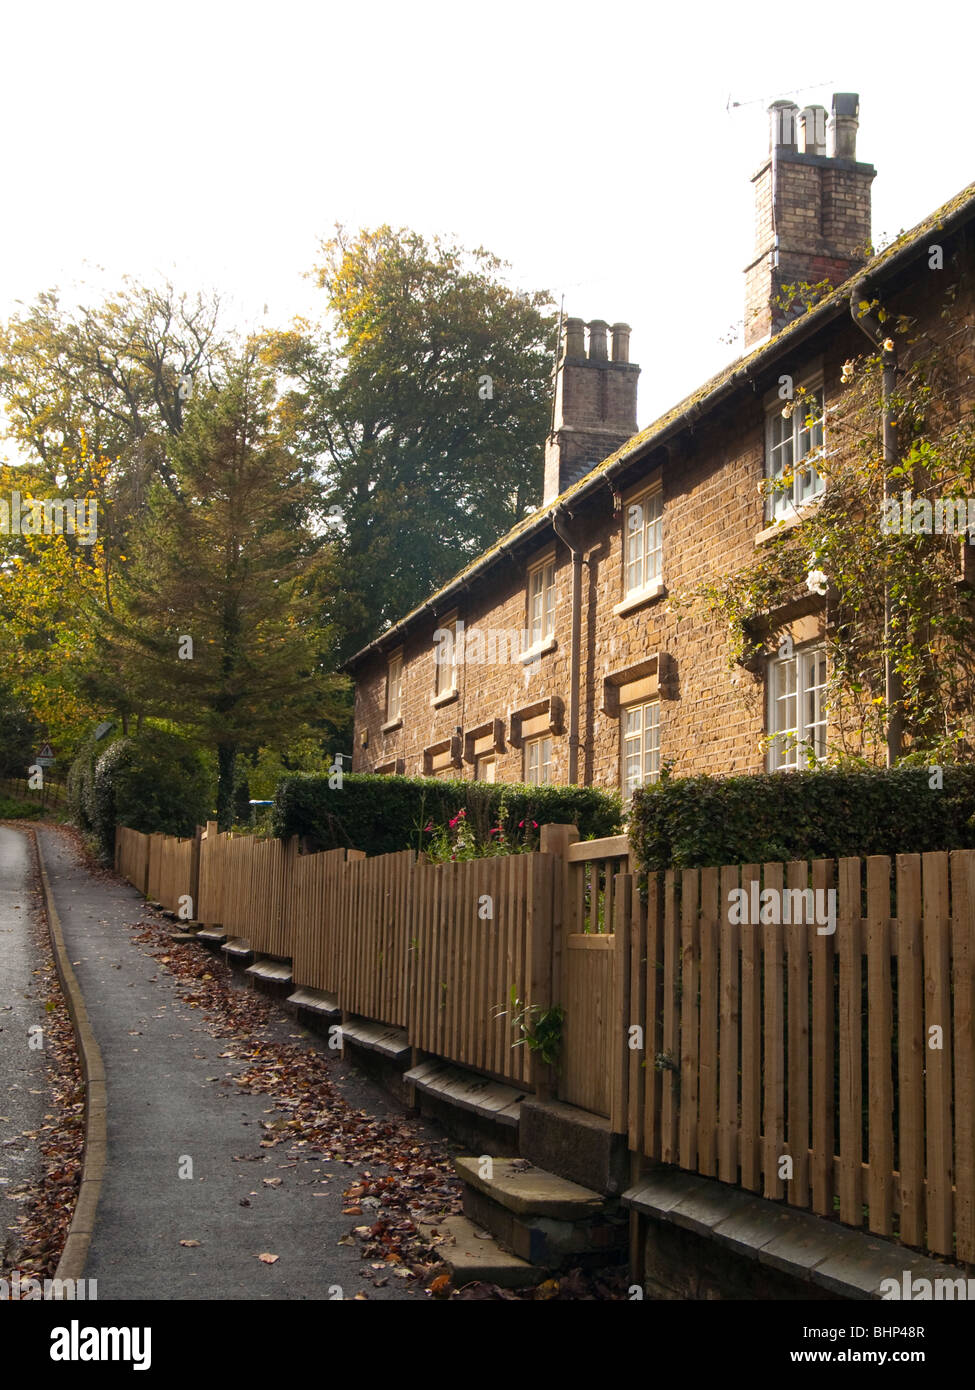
(18, 733)
(425, 402)
(108, 380)
(215, 620)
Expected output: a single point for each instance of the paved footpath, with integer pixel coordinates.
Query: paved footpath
(163, 1073)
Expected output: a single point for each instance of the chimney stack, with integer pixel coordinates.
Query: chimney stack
(812, 209)
(595, 402)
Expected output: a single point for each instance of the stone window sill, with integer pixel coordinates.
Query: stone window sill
(444, 698)
(539, 649)
(779, 528)
(391, 724)
(639, 597)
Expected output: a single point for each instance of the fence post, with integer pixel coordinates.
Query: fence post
(284, 932)
(619, 1016)
(555, 840)
(118, 846)
(195, 871)
(540, 929)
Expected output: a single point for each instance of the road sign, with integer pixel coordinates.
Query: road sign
(45, 756)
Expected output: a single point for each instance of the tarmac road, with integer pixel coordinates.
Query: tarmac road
(23, 1087)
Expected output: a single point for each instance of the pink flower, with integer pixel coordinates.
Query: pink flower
(427, 828)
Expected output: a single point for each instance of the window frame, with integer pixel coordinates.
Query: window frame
(781, 506)
(547, 595)
(791, 757)
(395, 662)
(445, 673)
(482, 761)
(538, 742)
(640, 707)
(652, 491)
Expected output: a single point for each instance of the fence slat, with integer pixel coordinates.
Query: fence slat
(689, 1041)
(774, 1040)
(963, 952)
(728, 1030)
(880, 1032)
(848, 933)
(823, 1052)
(937, 992)
(707, 1129)
(751, 1037)
(797, 935)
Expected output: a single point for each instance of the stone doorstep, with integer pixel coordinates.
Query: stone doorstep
(316, 1001)
(531, 1192)
(846, 1262)
(543, 1241)
(377, 1037)
(579, 1146)
(470, 1258)
(491, 1100)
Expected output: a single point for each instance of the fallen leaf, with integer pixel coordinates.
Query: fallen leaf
(268, 1259)
(189, 1242)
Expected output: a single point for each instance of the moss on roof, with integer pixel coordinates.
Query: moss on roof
(955, 209)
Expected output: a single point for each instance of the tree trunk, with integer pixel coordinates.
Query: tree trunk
(226, 767)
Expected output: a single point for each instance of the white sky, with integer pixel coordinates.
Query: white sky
(589, 145)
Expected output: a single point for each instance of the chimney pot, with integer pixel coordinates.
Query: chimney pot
(598, 329)
(782, 125)
(843, 125)
(812, 130)
(575, 338)
(621, 342)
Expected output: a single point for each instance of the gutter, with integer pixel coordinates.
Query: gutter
(870, 326)
(575, 641)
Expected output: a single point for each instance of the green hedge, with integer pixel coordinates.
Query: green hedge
(695, 822)
(383, 814)
(152, 781)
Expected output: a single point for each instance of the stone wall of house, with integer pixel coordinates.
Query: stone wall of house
(712, 715)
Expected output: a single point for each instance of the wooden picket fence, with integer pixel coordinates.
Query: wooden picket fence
(832, 1069)
(132, 856)
(828, 1066)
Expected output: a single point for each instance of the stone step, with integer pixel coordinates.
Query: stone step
(471, 1255)
(529, 1191)
(593, 1241)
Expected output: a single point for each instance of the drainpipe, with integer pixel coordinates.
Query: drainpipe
(575, 602)
(869, 325)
